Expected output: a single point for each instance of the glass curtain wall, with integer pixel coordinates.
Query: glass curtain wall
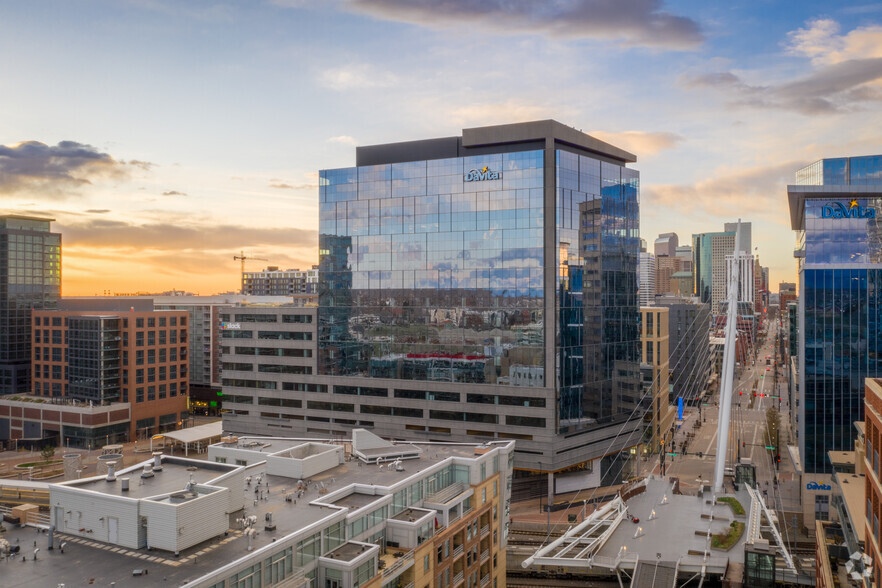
(597, 208)
(427, 273)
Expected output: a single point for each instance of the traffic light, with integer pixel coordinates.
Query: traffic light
(778, 458)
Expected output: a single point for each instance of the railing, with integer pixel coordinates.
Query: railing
(485, 555)
(458, 551)
(458, 579)
(409, 585)
(402, 562)
(485, 530)
(485, 579)
(452, 517)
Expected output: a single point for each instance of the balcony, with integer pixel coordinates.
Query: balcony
(458, 551)
(485, 530)
(458, 579)
(485, 555)
(398, 565)
(485, 580)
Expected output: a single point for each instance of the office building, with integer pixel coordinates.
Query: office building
(745, 244)
(681, 284)
(834, 209)
(688, 331)
(709, 251)
(135, 357)
(655, 354)
(665, 268)
(30, 279)
(709, 266)
(684, 252)
(786, 295)
(487, 260)
(646, 273)
(275, 282)
(666, 245)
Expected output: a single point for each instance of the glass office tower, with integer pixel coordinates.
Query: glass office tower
(491, 279)
(834, 211)
(30, 278)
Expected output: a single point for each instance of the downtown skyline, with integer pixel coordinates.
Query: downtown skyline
(165, 139)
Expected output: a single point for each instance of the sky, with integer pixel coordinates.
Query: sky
(165, 137)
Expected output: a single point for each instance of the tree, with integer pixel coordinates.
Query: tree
(47, 453)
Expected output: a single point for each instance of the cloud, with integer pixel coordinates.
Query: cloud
(640, 143)
(145, 165)
(631, 22)
(757, 189)
(356, 76)
(344, 139)
(55, 171)
(176, 236)
(840, 87)
(820, 42)
(174, 193)
(284, 186)
(98, 210)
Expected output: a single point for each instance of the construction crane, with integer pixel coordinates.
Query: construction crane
(241, 258)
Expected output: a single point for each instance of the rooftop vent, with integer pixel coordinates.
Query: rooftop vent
(148, 471)
(124, 484)
(111, 472)
(157, 461)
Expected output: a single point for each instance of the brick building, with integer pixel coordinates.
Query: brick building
(135, 357)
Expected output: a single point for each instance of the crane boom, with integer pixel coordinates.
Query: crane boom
(241, 258)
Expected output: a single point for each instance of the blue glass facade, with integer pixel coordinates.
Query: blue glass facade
(437, 270)
(840, 300)
(843, 313)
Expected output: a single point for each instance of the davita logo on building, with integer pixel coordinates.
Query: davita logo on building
(477, 175)
(854, 210)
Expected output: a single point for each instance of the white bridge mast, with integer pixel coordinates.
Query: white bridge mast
(727, 383)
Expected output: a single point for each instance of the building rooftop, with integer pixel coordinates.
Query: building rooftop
(853, 491)
(174, 476)
(292, 508)
(494, 139)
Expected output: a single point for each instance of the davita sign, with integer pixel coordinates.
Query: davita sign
(853, 210)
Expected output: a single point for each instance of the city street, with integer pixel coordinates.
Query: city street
(699, 430)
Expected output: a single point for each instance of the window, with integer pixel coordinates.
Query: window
(151, 337)
(151, 322)
(426, 563)
(822, 507)
(139, 323)
(139, 338)
(139, 394)
(151, 374)
(162, 321)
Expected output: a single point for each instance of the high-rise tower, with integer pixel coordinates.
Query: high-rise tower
(30, 279)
